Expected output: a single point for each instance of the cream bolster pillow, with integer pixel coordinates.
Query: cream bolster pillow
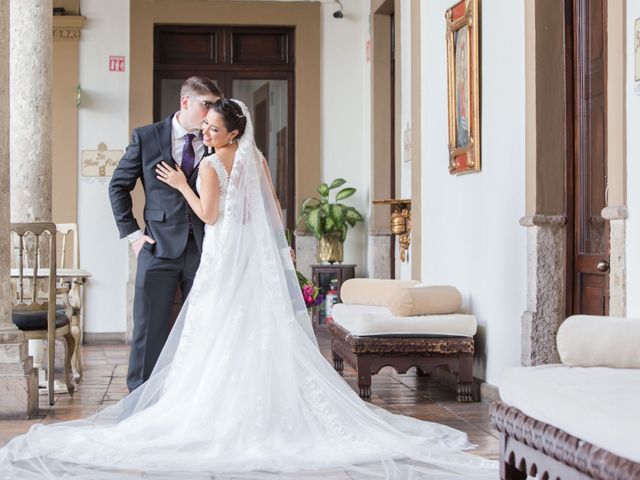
(590, 341)
(371, 291)
(432, 300)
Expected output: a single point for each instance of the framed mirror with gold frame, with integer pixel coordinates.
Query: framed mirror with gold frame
(463, 86)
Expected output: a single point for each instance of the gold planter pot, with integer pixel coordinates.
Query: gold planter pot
(330, 249)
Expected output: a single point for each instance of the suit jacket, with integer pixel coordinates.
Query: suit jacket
(166, 212)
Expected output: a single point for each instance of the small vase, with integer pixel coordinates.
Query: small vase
(330, 249)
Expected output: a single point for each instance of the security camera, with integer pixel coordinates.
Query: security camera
(338, 13)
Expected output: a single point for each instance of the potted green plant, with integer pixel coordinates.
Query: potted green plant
(329, 221)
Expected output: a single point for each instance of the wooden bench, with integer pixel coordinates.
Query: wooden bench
(368, 354)
(531, 447)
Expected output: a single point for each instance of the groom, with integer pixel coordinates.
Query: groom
(169, 249)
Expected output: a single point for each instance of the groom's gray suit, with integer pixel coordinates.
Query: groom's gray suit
(169, 263)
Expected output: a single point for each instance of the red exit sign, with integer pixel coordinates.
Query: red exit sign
(116, 63)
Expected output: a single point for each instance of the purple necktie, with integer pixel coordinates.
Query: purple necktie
(188, 154)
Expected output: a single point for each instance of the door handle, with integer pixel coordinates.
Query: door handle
(603, 266)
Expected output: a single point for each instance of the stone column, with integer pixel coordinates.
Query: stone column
(617, 217)
(17, 377)
(380, 245)
(306, 251)
(546, 286)
(31, 130)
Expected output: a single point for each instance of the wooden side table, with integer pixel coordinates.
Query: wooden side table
(322, 276)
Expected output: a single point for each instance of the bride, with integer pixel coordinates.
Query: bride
(241, 390)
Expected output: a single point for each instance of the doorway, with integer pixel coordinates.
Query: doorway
(253, 64)
(588, 251)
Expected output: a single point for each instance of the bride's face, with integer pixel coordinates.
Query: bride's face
(214, 133)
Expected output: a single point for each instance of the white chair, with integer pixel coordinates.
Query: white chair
(69, 254)
(34, 308)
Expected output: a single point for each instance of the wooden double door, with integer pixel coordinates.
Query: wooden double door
(253, 64)
(588, 239)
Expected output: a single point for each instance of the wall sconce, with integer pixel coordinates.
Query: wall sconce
(400, 223)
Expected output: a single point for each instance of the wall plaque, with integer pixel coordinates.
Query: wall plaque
(101, 162)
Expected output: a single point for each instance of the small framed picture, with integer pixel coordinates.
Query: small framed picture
(636, 48)
(463, 86)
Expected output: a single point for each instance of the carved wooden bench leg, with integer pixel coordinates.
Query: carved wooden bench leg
(465, 379)
(338, 364)
(363, 371)
(509, 472)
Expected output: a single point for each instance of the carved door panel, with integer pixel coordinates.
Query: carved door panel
(590, 230)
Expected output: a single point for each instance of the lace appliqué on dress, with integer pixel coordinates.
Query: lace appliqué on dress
(210, 254)
(223, 176)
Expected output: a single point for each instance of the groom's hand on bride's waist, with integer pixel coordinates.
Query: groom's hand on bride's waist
(139, 243)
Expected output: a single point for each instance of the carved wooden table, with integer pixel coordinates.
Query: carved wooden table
(529, 446)
(368, 354)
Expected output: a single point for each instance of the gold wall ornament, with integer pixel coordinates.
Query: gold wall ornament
(400, 223)
(463, 75)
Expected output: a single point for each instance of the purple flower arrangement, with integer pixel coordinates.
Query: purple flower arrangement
(310, 292)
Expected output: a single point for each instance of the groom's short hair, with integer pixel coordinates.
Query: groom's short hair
(200, 86)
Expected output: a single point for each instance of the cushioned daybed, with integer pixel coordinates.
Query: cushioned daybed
(579, 419)
(402, 324)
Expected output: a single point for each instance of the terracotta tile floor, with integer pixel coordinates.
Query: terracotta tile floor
(104, 383)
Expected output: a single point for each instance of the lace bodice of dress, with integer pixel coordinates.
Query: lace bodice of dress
(223, 177)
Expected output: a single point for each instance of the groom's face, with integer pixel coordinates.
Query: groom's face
(194, 108)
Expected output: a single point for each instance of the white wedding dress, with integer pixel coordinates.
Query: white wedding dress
(241, 390)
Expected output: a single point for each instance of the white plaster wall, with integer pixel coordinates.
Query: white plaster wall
(470, 232)
(633, 167)
(346, 118)
(103, 117)
(403, 269)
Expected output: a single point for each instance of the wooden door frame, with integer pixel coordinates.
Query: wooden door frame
(393, 127)
(569, 6)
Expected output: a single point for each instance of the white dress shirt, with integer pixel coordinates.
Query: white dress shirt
(177, 145)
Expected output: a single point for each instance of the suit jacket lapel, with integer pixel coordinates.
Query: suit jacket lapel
(163, 132)
(194, 173)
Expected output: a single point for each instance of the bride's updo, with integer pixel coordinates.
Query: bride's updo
(232, 115)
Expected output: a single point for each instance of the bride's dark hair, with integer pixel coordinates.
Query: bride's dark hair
(232, 115)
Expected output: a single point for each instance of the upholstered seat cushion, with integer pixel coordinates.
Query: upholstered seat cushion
(596, 404)
(363, 320)
(37, 320)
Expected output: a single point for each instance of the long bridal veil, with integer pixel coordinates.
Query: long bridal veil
(241, 390)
